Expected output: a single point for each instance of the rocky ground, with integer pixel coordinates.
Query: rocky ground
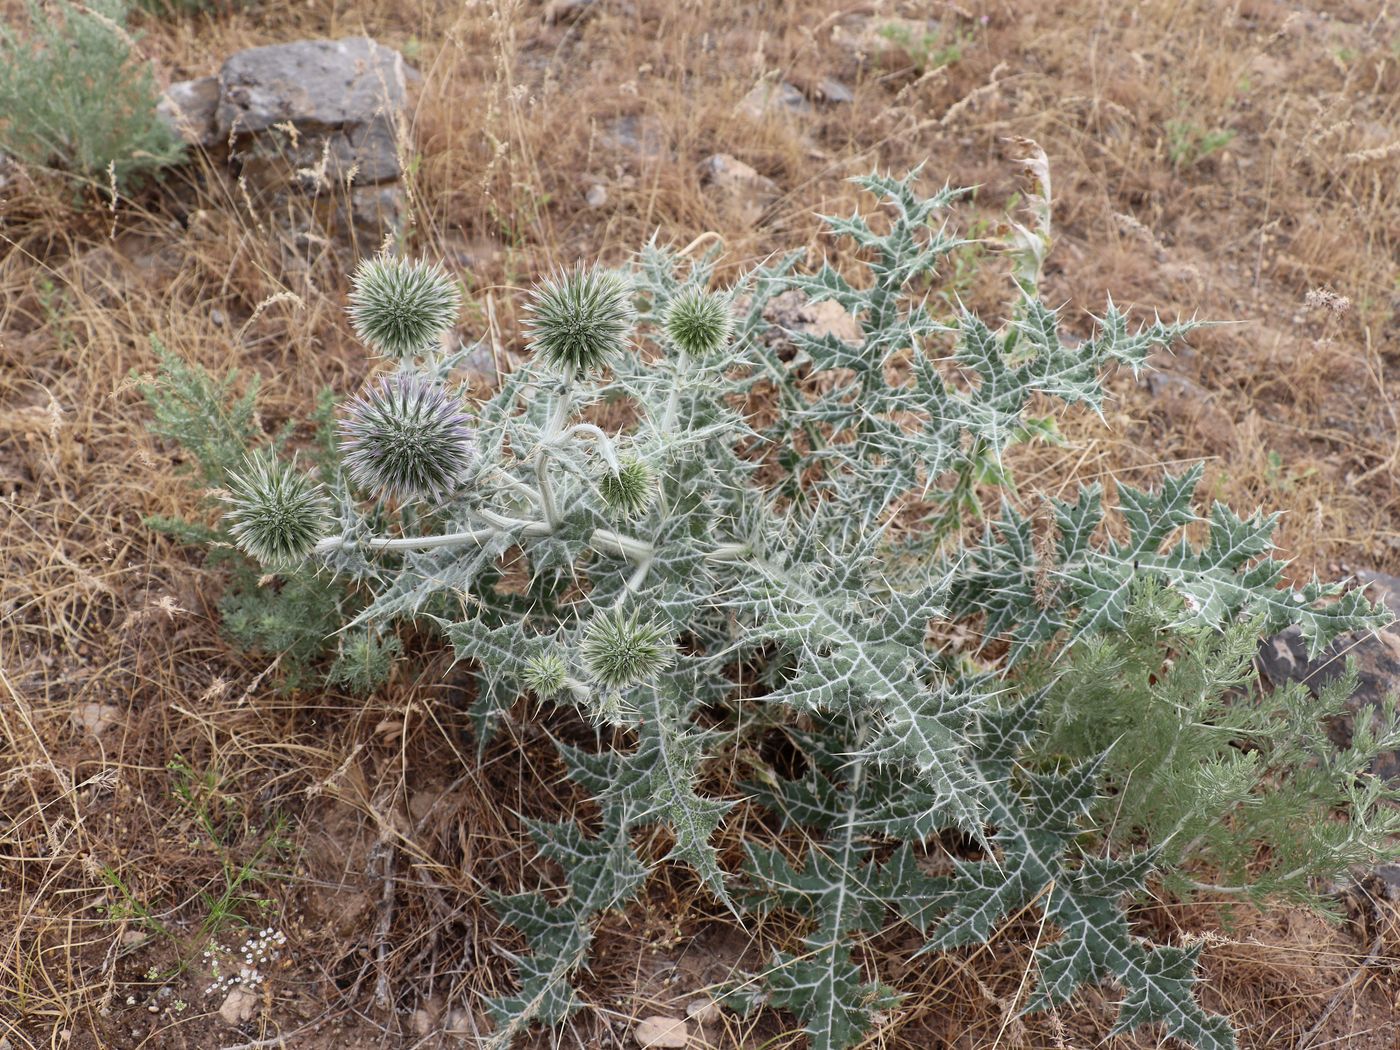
(162, 797)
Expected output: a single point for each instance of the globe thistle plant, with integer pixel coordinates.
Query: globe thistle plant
(401, 307)
(699, 322)
(629, 489)
(580, 319)
(621, 650)
(407, 439)
(276, 514)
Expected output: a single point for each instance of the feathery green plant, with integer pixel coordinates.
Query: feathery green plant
(74, 95)
(295, 617)
(814, 551)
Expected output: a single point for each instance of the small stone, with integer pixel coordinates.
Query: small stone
(703, 1010)
(457, 1022)
(642, 135)
(738, 186)
(239, 1006)
(767, 98)
(661, 1032)
(559, 11)
(833, 92)
(421, 1022)
(189, 107)
(597, 196)
(95, 718)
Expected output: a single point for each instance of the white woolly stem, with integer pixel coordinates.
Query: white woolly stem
(557, 416)
(668, 418)
(519, 486)
(605, 443)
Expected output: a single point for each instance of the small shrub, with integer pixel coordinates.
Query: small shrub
(705, 575)
(295, 615)
(73, 95)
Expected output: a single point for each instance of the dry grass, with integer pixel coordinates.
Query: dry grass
(1221, 160)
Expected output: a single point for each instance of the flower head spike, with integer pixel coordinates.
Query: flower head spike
(629, 490)
(276, 514)
(580, 319)
(621, 650)
(699, 322)
(407, 439)
(545, 675)
(400, 307)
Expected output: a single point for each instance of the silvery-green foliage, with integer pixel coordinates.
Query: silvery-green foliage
(75, 94)
(811, 547)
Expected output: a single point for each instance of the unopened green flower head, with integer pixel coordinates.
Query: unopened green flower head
(406, 438)
(699, 322)
(621, 650)
(629, 490)
(545, 675)
(578, 320)
(276, 514)
(401, 307)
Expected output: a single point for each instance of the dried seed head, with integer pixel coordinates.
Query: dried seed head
(620, 650)
(407, 439)
(628, 491)
(699, 322)
(579, 320)
(276, 514)
(400, 307)
(545, 675)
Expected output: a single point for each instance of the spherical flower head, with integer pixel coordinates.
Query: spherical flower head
(699, 322)
(621, 650)
(628, 490)
(276, 514)
(401, 307)
(579, 320)
(407, 439)
(545, 675)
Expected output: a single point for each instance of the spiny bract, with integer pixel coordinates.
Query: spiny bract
(579, 320)
(620, 649)
(401, 307)
(699, 322)
(407, 438)
(628, 490)
(276, 514)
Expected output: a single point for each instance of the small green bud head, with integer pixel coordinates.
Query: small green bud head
(621, 650)
(545, 675)
(579, 320)
(629, 490)
(699, 322)
(407, 439)
(276, 514)
(400, 307)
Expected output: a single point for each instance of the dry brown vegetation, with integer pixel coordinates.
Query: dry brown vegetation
(1215, 159)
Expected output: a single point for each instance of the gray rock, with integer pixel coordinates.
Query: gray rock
(190, 108)
(1284, 657)
(641, 135)
(737, 187)
(834, 92)
(329, 106)
(769, 99)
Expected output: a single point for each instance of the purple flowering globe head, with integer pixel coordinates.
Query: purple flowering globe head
(407, 439)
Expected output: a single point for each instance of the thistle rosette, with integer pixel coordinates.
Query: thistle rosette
(699, 322)
(579, 320)
(407, 439)
(621, 649)
(276, 513)
(628, 490)
(401, 307)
